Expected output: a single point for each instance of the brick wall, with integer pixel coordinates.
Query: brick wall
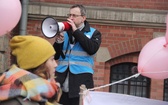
(142, 4)
(124, 30)
(120, 40)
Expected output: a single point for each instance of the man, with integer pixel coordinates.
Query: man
(75, 53)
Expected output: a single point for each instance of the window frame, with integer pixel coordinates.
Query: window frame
(131, 86)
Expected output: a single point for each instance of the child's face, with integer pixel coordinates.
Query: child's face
(51, 65)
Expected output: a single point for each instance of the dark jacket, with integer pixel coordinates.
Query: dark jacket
(91, 46)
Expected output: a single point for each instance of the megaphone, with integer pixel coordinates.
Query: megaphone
(50, 27)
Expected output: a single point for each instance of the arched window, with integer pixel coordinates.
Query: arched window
(139, 86)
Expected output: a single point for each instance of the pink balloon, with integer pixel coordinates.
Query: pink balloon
(10, 13)
(153, 59)
(166, 30)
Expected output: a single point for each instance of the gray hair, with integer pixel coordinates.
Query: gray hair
(81, 7)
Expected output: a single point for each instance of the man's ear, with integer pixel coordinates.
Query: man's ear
(84, 18)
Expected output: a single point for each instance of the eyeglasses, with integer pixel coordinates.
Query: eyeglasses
(73, 15)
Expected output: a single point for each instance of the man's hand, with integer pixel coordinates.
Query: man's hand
(72, 24)
(59, 38)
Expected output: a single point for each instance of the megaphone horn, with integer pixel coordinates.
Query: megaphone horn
(50, 27)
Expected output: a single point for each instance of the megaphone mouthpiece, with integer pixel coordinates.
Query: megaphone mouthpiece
(67, 26)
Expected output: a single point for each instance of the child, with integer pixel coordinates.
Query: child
(30, 81)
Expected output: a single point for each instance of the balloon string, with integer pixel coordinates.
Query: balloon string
(135, 75)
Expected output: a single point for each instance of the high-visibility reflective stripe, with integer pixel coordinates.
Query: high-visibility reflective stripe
(77, 53)
(75, 63)
(76, 57)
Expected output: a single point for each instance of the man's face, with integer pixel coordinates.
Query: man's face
(76, 16)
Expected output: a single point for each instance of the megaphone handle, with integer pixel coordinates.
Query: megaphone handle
(61, 53)
(58, 33)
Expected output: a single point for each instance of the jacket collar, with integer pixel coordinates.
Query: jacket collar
(87, 27)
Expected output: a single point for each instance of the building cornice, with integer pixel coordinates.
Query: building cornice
(102, 15)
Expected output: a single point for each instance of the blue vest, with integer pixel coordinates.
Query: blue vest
(78, 60)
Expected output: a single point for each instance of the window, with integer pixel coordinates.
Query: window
(165, 97)
(139, 86)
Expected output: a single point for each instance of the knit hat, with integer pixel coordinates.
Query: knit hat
(31, 51)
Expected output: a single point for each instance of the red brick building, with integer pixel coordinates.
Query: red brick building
(126, 26)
